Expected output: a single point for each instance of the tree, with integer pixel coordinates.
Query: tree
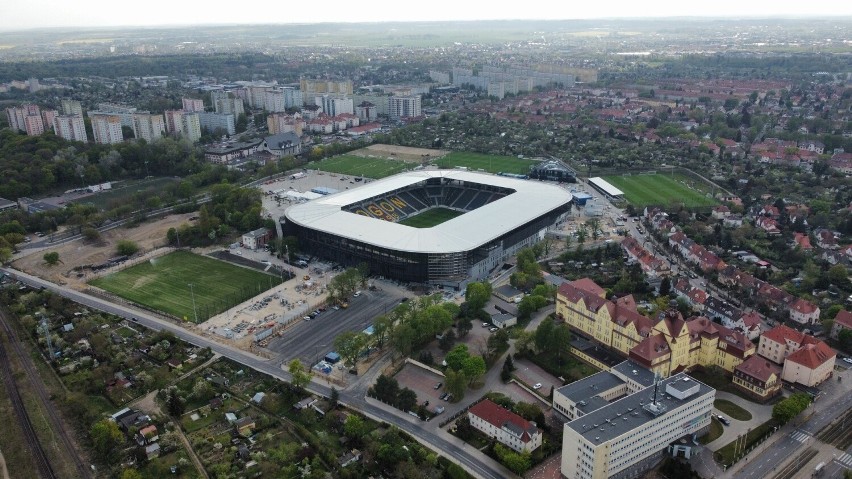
(51, 258)
(386, 389)
(354, 427)
(665, 286)
(407, 399)
(455, 383)
(334, 397)
(93, 235)
(349, 345)
(126, 247)
(447, 340)
(594, 225)
(477, 294)
(455, 359)
(130, 474)
(473, 368)
(845, 338)
(174, 403)
(300, 377)
(788, 408)
(517, 463)
(202, 390)
(5, 255)
(106, 439)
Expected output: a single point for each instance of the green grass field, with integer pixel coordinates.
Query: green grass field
(163, 284)
(360, 166)
(124, 190)
(489, 163)
(661, 190)
(430, 218)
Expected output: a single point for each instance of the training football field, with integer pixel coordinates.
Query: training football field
(163, 284)
(360, 166)
(489, 163)
(661, 190)
(430, 218)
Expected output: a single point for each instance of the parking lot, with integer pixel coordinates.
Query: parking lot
(518, 394)
(531, 375)
(422, 382)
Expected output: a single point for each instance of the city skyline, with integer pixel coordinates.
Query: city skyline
(99, 13)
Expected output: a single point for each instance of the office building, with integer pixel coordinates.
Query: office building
(72, 107)
(192, 104)
(148, 127)
(624, 432)
(106, 128)
(404, 107)
(213, 122)
(70, 127)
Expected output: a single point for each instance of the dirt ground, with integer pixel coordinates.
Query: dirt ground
(403, 153)
(149, 235)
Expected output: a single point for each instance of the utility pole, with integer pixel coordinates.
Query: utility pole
(195, 311)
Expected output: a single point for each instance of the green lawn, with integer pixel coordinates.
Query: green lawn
(661, 190)
(715, 432)
(430, 218)
(122, 191)
(163, 284)
(732, 410)
(489, 163)
(360, 166)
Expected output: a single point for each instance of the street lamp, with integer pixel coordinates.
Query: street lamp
(316, 352)
(195, 311)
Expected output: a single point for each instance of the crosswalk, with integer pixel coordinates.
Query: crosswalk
(845, 459)
(800, 436)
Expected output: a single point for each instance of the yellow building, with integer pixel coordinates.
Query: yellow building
(667, 344)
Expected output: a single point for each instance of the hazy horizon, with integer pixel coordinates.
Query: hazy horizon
(46, 14)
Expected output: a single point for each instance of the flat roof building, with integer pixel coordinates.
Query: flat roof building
(630, 433)
(605, 187)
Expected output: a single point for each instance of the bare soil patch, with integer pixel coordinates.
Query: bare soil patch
(402, 153)
(149, 235)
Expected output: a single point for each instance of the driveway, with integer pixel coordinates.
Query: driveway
(760, 413)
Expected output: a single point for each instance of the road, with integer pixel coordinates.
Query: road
(308, 340)
(472, 460)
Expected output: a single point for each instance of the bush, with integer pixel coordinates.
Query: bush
(126, 248)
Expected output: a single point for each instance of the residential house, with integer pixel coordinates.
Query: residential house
(152, 451)
(509, 293)
(825, 239)
(781, 341)
(804, 312)
(256, 239)
(809, 365)
(504, 320)
(733, 221)
(282, 144)
(721, 212)
(258, 398)
(349, 458)
(769, 225)
(696, 297)
(803, 241)
(148, 434)
(842, 321)
(758, 377)
(505, 426)
(244, 426)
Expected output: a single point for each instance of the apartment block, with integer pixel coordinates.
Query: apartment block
(404, 107)
(26, 118)
(70, 127)
(106, 128)
(148, 127)
(284, 123)
(628, 433)
(72, 107)
(47, 117)
(806, 360)
(310, 87)
(218, 121)
(192, 104)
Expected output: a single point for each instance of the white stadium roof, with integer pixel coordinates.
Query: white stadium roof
(605, 186)
(530, 200)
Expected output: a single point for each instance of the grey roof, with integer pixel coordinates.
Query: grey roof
(282, 140)
(635, 372)
(628, 413)
(4, 203)
(462, 233)
(508, 291)
(257, 233)
(584, 393)
(501, 318)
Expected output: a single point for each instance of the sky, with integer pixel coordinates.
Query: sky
(26, 14)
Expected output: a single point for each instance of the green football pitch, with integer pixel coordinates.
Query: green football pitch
(163, 284)
(430, 218)
(662, 190)
(360, 166)
(489, 163)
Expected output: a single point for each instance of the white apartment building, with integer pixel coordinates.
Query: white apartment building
(190, 128)
(504, 426)
(27, 118)
(192, 104)
(72, 107)
(274, 101)
(218, 121)
(70, 127)
(335, 105)
(292, 97)
(47, 117)
(124, 113)
(106, 128)
(379, 101)
(34, 125)
(404, 106)
(232, 106)
(148, 127)
(629, 433)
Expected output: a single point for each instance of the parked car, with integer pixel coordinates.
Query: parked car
(438, 386)
(485, 325)
(847, 360)
(537, 386)
(493, 330)
(723, 420)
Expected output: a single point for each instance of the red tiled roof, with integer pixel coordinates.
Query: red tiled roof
(499, 416)
(812, 355)
(758, 368)
(844, 318)
(804, 307)
(587, 284)
(781, 334)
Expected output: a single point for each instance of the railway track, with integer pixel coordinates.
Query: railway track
(56, 423)
(837, 433)
(795, 466)
(30, 437)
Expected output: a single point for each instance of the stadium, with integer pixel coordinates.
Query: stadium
(441, 227)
